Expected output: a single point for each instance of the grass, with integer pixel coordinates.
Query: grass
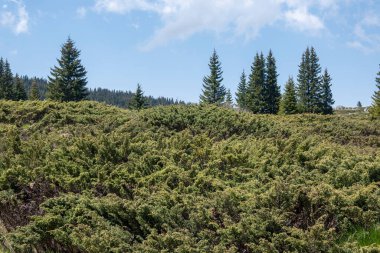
(365, 237)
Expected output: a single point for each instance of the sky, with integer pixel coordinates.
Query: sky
(165, 45)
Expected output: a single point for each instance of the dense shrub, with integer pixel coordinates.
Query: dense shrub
(86, 177)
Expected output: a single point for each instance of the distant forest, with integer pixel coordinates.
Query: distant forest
(112, 97)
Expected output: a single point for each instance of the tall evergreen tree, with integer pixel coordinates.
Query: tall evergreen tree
(289, 99)
(241, 94)
(229, 101)
(68, 80)
(327, 100)
(2, 96)
(7, 82)
(255, 88)
(272, 96)
(375, 108)
(138, 101)
(309, 83)
(213, 91)
(19, 92)
(34, 93)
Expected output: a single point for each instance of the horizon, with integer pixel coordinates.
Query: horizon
(165, 45)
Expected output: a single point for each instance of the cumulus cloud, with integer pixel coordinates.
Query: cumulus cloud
(14, 16)
(366, 35)
(184, 18)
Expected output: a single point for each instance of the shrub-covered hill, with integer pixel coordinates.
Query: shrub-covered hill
(86, 177)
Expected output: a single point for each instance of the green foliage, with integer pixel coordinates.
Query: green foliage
(34, 93)
(241, 94)
(327, 100)
(256, 85)
(272, 95)
(289, 99)
(138, 100)
(68, 80)
(6, 80)
(213, 90)
(309, 89)
(375, 108)
(86, 177)
(19, 92)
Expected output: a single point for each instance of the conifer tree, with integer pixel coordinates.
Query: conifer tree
(326, 95)
(375, 108)
(255, 88)
(229, 101)
(359, 105)
(34, 93)
(289, 99)
(138, 100)
(1, 79)
(309, 83)
(241, 94)
(272, 95)
(19, 89)
(68, 80)
(7, 82)
(213, 91)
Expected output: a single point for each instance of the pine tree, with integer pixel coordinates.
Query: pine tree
(375, 108)
(309, 83)
(34, 93)
(1, 79)
(359, 105)
(241, 94)
(19, 92)
(138, 100)
(213, 90)
(326, 95)
(68, 80)
(7, 82)
(229, 101)
(255, 88)
(272, 96)
(289, 99)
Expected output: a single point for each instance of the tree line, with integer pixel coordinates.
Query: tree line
(259, 92)
(67, 82)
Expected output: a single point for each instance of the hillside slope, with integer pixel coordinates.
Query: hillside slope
(86, 177)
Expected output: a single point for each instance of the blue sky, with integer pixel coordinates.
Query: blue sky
(165, 44)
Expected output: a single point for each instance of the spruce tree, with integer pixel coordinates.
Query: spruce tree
(229, 101)
(289, 99)
(34, 93)
(327, 100)
(255, 88)
(375, 108)
(241, 94)
(138, 100)
(68, 80)
(309, 83)
(272, 96)
(213, 90)
(2, 79)
(19, 92)
(359, 105)
(7, 82)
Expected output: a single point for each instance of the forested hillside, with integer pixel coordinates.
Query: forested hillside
(112, 97)
(86, 177)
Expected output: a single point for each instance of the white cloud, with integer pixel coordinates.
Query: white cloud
(184, 18)
(81, 12)
(14, 16)
(366, 34)
(302, 20)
